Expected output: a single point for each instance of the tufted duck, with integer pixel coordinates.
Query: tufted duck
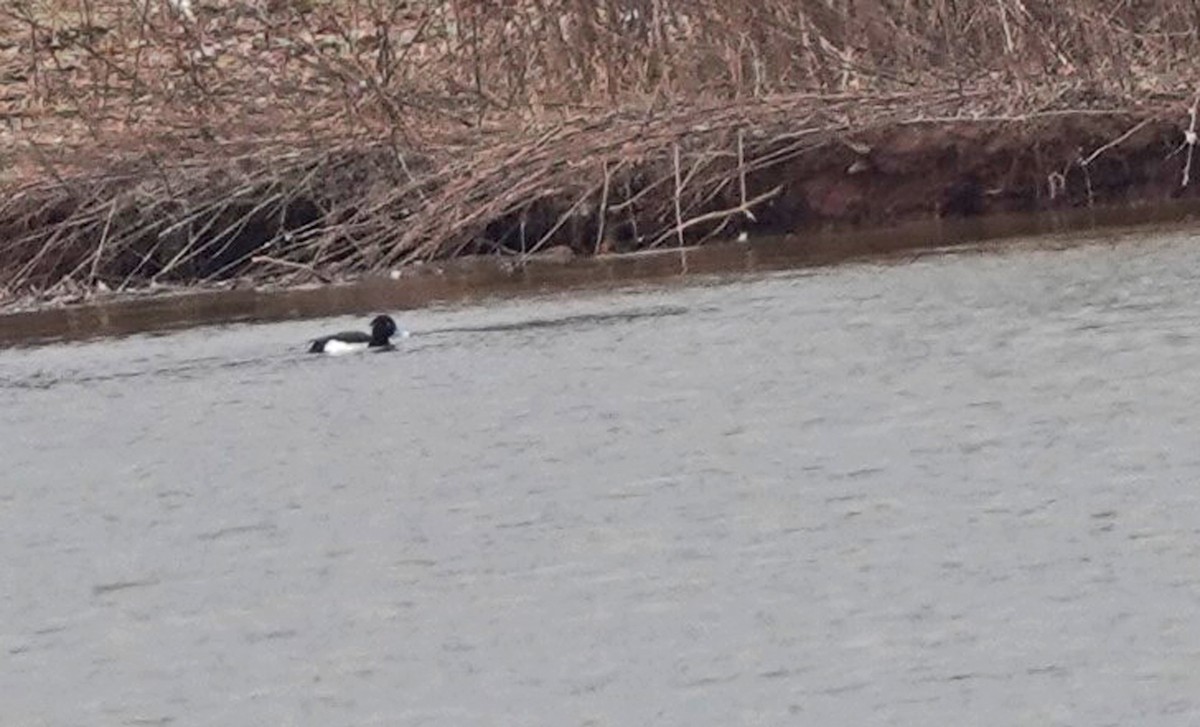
(382, 329)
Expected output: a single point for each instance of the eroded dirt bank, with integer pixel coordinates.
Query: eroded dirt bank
(613, 185)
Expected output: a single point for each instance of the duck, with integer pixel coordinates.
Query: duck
(379, 339)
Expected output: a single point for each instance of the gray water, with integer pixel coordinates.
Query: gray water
(957, 491)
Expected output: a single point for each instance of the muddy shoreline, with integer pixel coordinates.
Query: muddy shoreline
(477, 279)
(585, 190)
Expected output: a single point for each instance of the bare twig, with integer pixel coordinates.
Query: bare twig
(718, 215)
(1189, 138)
(602, 212)
(1100, 150)
(678, 192)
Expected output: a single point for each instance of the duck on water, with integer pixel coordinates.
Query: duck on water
(379, 339)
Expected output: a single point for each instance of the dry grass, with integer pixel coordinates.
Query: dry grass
(348, 136)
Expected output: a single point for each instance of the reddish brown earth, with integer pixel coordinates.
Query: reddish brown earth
(904, 172)
(964, 169)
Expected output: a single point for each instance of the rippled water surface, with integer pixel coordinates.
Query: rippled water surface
(957, 491)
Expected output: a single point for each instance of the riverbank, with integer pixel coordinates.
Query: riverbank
(301, 146)
(479, 279)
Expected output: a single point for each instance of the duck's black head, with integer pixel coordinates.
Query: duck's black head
(382, 328)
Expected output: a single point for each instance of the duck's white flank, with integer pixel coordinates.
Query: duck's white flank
(335, 347)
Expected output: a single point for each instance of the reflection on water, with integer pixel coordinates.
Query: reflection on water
(953, 491)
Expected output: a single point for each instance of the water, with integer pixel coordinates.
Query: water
(955, 491)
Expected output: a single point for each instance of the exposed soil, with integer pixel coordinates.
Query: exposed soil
(837, 180)
(919, 170)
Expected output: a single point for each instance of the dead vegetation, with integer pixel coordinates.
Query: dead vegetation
(146, 142)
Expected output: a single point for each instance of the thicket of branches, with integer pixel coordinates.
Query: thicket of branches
(144, 141)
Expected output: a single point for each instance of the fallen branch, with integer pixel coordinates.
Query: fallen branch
(717, 215)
